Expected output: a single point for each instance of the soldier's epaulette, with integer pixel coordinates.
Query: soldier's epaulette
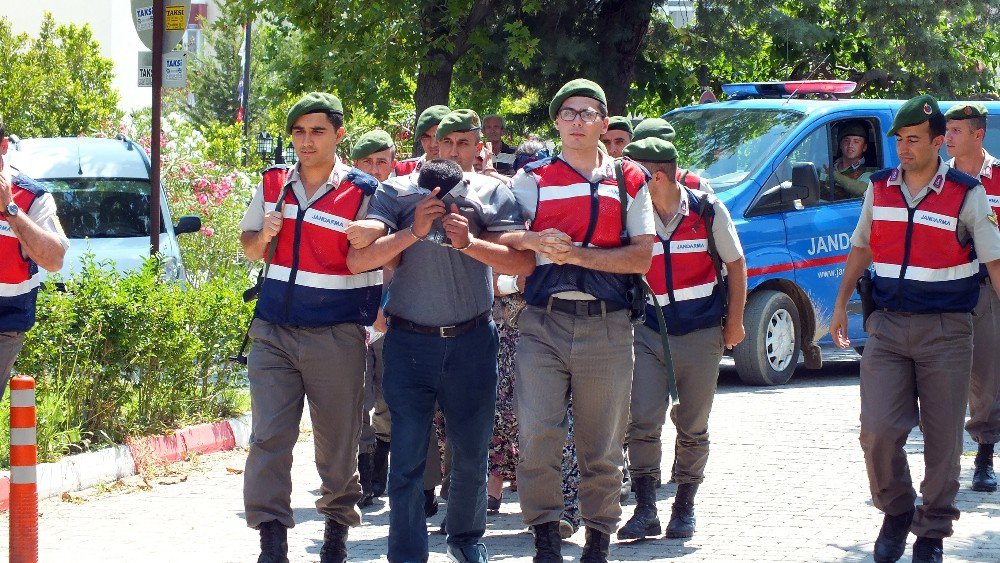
(365, 182)
(883, 174)
(28, 183)
(277, 167)
(538, 164)
(961, 178)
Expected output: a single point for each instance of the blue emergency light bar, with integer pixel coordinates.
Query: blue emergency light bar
(784, 89)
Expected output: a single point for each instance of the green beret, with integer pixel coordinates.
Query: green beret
(313, 102)
(853, 129)
(654, 127)
(914, 112)
(577, 87)
(371, 143)
(651, 149)
(619, 123)
(429, 118)
(458, 120)
(968, 110)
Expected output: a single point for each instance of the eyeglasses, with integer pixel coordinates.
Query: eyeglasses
(587, 115)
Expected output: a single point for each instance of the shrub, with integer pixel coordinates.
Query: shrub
(122, 354)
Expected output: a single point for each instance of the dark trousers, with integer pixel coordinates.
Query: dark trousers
(460, 374)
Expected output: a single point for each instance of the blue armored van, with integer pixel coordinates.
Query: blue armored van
(768, 152)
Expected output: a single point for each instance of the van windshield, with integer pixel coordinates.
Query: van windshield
(725, 145)
(101, 207)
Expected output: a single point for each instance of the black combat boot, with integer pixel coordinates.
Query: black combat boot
(681, 523)
(644, 521)
(380, 468)
(984, 479)
(273, 542)
(365, 466)
(891, 541)
(334, 548)
(928, 550)
(548, 546)
(596, 548)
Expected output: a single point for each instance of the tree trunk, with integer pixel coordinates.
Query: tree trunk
(626, 23)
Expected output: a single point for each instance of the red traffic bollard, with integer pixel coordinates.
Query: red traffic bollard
(23, 471)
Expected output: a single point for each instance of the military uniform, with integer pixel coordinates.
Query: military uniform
(308, 344)
(576, 338)
(686, 285)
(19, 275)
(984, 389)
(428, 118)
(918, 356)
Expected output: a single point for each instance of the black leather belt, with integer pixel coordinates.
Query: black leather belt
(442, 331)
(583, 308)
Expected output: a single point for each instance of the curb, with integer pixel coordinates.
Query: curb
(82, 471)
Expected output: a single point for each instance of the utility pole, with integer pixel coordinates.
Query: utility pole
(159, 24)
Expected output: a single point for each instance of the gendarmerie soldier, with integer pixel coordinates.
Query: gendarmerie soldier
(702, 304)
(308, 330)
(576, 334)
(662, 129)
(919, 222)
(425, 132)
(964, 142)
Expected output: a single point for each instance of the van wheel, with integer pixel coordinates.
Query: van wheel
(770, 352)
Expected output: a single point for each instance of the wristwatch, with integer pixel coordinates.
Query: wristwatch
(12, 210)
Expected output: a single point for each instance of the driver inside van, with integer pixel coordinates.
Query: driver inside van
(851, 172)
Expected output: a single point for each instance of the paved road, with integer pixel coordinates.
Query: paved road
(786, 482)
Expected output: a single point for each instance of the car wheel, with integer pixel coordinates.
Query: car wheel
(770, 352)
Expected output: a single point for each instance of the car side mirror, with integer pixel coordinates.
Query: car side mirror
(805, 184)
(187, 224)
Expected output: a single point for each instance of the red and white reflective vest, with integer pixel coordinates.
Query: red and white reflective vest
(308, 282)
(682, 275)
(19, 277)
(920, 265)
(408, 166)
(590, 213)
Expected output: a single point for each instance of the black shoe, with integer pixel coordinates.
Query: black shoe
(548, 546)
(273, 542)
(365, 466)
(492, 504)
(984, 479)
(334, 548)
(928, 550)
(891, 542)
(644, 521)
(682, 520)
(596, 548)
(380, 468)
(430, 503)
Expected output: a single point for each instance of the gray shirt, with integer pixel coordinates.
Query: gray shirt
(436, 285)
(975, 220)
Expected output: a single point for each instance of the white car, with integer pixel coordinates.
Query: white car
(101, 189)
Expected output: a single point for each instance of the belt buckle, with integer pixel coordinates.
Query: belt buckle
(582, 308)
(442, 329)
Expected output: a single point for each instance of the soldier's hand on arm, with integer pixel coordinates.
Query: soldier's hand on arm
(255, 242)
(364, 232)
(632, 259)
(42, 246)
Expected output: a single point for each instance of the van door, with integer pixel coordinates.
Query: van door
(819, 232)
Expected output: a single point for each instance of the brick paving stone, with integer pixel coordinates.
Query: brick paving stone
(785, 482)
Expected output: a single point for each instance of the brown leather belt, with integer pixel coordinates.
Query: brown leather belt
(442, 331)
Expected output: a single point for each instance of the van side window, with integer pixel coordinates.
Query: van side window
(814, 149)
(856, 155)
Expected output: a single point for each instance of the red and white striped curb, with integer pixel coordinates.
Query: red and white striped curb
(81, 471)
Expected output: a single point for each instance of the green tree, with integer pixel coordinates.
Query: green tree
(56, 84)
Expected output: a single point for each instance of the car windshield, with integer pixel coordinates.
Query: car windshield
(101, 207)
(725, 145)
